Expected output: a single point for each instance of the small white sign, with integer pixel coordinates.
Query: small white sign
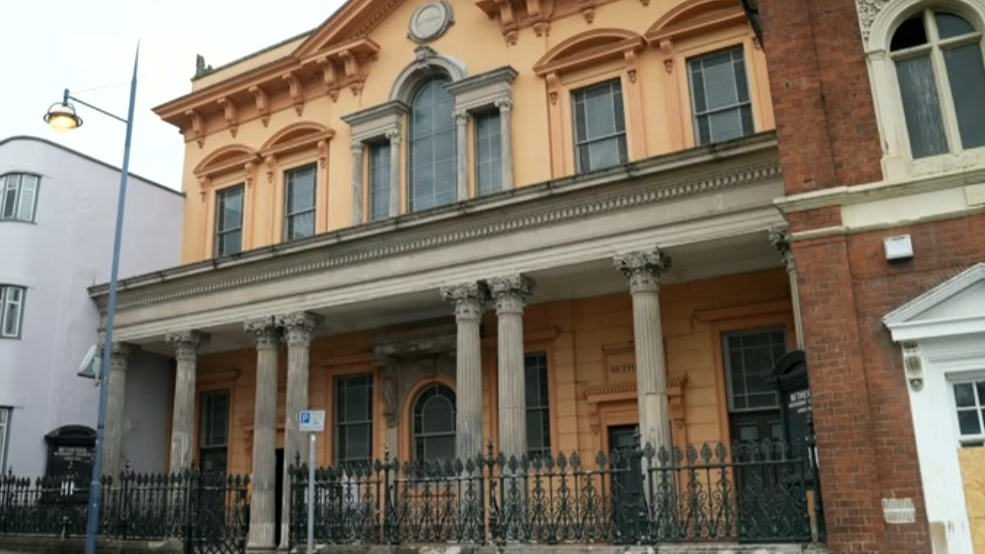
(312, 421)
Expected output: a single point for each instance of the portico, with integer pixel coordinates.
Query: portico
(489, 316)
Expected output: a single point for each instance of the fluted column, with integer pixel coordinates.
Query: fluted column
(298, 327)
(357, 182)
(185, 344)
(469, 300)
(510, 293)
(780, 239)
(643, 271)
(506, 141)
(393, 135)
(462, 126)
(262, 507)
(119, 363)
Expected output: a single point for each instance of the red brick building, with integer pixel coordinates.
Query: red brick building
(869, 151)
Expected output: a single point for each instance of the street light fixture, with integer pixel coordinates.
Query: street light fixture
(62, 118)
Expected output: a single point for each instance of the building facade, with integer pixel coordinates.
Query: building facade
(882, 147)
(57, 214)
(610, 218)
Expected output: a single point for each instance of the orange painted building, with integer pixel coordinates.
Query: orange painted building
(548, 225)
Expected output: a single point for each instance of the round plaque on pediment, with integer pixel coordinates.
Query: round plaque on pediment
(430, 21)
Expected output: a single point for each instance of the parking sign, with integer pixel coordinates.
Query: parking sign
(312, 421)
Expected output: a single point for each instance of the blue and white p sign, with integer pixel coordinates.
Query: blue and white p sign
(311, 421)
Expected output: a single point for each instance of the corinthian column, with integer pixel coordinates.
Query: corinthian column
(469, 300)
(261, 534)
(185, 344)
(119, 362)
(298, 330)
(510, 293)
(643, 271)
(780, 239)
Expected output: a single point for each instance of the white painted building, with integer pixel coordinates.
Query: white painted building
(57, 218)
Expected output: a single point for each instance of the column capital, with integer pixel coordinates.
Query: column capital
(357, 147)
(780, 239)
(187, 342)
(469, 299)
(299, 327)
(510, 291)
(643, 269)
(393, 135)
(265, 330)
(120, 354)
(504, 104)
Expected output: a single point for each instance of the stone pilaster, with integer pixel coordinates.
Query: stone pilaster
(510, 293)
(299, 327)
(780, 239)
(469, 300)
(462, 126)
(357, 182)
(262, 507)
(643, 271)
(185, 344)
(119, 362)
(506, 141)
(393, 135)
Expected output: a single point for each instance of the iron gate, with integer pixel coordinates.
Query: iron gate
(218, 514)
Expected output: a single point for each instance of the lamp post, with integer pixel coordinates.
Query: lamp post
(62, 118)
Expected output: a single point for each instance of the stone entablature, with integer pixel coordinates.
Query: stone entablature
(676, 193)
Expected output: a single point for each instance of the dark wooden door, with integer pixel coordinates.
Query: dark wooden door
(627, 483)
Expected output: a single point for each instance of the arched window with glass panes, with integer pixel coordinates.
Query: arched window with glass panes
(433, 164)
(434, 423)
(940, 73)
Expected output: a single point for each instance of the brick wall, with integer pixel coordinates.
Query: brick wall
(865, 432)
(825, 119)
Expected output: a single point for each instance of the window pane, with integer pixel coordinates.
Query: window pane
(488, 153)
(379, 181)
(966, 74)
(10, 196)
(950, 25)
(921, 106)
(911, 33)
(968, 422)
(720, 96)
(29, 187)
(726, 125)
(964, 395)
(749, 359)
(980, 386)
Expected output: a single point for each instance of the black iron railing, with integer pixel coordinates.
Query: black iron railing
(747, 493)
(193, 506)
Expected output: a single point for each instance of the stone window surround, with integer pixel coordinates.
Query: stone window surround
(385, 121)
(878, 29)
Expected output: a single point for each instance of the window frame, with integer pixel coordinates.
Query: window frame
(544, 379)
(5, 303)
(942, 81)
(18, 196)
(6, 414)
(287, 189)
(689, 75)
(727, 365)
(415, 436)
(441, 79)
(897, 160)
(338, 422)
(216, 232)
(623, 134)
(205, 423)
(972, 378)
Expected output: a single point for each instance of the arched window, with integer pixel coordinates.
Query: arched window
(434, 423)
(433, 172)
(941, 77)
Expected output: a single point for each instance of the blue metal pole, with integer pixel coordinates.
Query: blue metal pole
(95, 488)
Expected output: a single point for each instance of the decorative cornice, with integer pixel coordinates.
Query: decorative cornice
(346, 249)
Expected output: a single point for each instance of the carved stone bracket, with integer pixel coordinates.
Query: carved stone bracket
(230, 113)
(197, 127)
(530, 13)
(296, 91)
(780, 239)
(867, 12)
(262, 103)
(913, 365)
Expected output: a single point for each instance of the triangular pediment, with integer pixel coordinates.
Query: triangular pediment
(354, 20)
(954, 307)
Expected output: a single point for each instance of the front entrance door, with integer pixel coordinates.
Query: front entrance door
(627, 483)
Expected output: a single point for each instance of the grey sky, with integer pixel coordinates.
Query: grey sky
(49, 45)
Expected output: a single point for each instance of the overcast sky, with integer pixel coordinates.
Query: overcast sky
(50, 45)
